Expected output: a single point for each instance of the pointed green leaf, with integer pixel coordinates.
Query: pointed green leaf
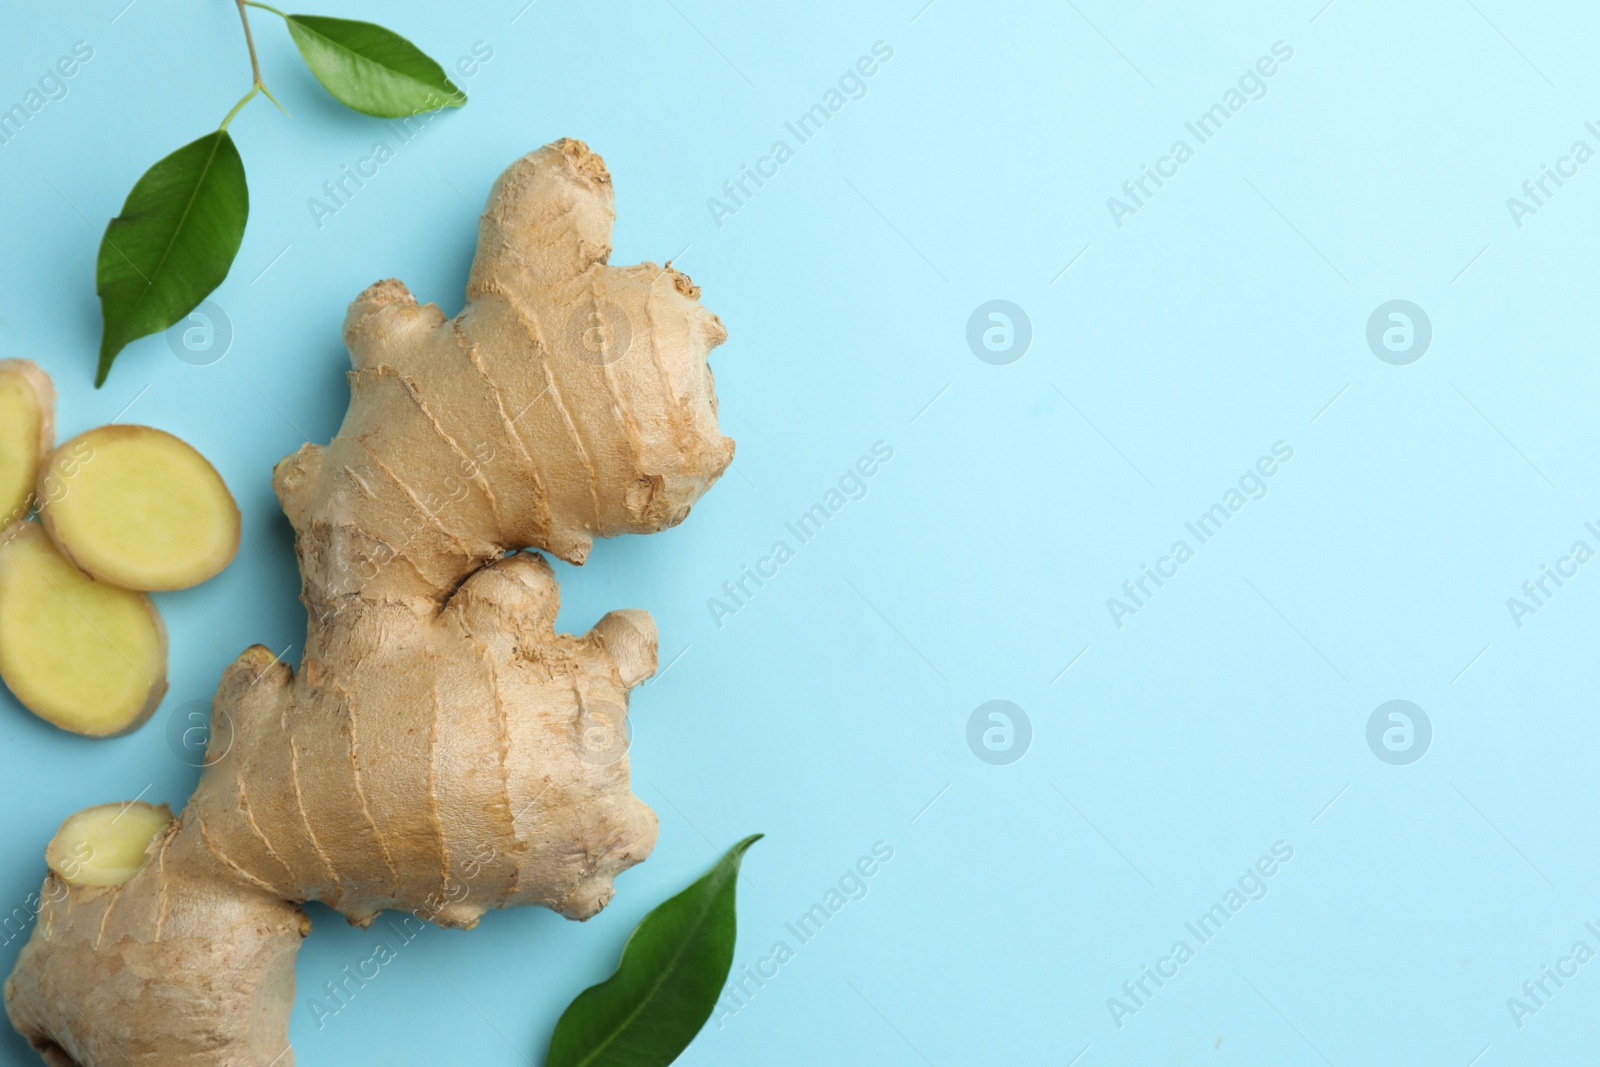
(173, 243)
(672, 972)
(370, 69)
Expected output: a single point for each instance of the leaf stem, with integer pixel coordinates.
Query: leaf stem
(243, 100)
(265, 7)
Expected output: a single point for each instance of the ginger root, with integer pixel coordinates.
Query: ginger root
(440, 749)
(82, 655)
(145, 511)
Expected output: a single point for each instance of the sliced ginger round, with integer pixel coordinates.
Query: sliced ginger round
(106, 844)
(139, 508)
(27, 431)
(83, 655)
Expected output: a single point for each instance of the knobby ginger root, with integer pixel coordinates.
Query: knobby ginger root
(144, 511)
(440, 749)
(27, 432)
(154, 960)
(83, 655)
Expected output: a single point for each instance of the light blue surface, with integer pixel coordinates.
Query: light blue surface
(1228, 313)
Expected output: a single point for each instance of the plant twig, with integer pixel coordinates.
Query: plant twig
(256, 84)
(250, 43)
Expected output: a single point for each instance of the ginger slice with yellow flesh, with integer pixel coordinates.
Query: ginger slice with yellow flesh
(139, 508)
(83, 655)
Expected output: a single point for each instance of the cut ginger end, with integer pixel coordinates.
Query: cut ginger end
(139, 508)
(107, 844)
(85, 656)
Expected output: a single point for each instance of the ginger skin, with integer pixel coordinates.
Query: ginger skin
(440, 749)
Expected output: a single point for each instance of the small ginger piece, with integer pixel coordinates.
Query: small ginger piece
(106, 844)
(139, 508)
(27, 432)
(85, 656)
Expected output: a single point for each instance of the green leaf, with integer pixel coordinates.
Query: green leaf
(173, 243)
(672, 972)
(370, 69)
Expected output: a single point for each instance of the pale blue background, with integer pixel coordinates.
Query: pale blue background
(1223, 317)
